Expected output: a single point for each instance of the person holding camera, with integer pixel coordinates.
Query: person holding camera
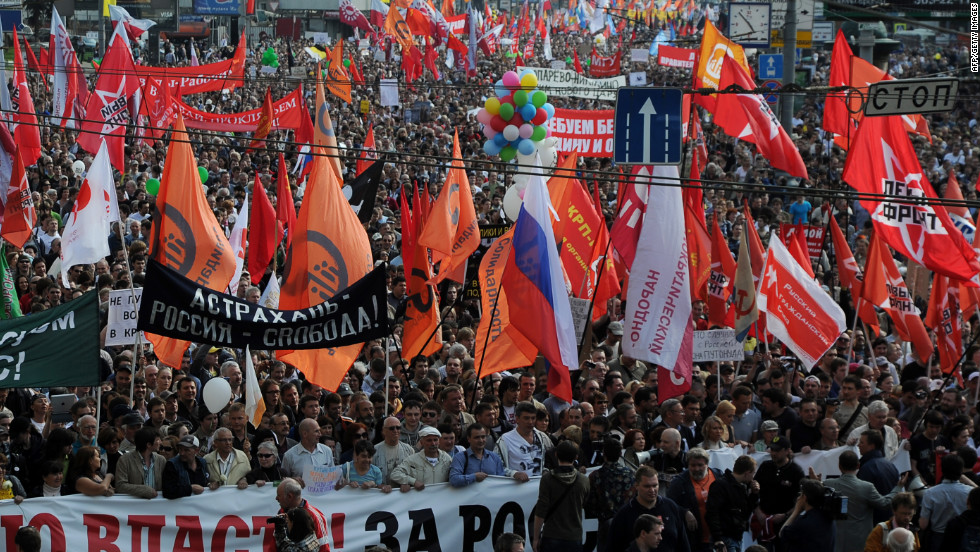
(810, 528)
(731, 501)
(862, 499)
(289, 495)
(294, 531)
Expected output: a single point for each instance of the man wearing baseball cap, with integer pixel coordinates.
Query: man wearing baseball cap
(779, 484)
(186, 473)
(427, 466)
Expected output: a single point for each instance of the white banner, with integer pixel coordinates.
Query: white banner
(823, 462)
(568, 83)
(229, 519)
(658, 301)
(639, 55)
(717, 345)
(121, 330)
(388, 89)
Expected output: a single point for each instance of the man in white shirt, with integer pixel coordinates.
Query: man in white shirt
(523, 448)
(309, 451)
(226, 464)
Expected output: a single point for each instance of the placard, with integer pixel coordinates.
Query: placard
(389, 92)
(638, 78)
(717, 345)
(580, 315)
(640, 55)
(321, 480)
(121, 330)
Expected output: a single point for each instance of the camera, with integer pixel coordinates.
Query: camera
(833, 402)
(278, 521)
(834, 503)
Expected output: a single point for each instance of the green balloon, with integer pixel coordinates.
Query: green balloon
(539, 98)
(203, 173)
(508, 153)
(506, 111)
(568, 59)
(346, 63)
(274, 64)
(538, 133)
(152, 186)
(520, 98)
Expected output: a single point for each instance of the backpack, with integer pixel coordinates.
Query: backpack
(970, 542)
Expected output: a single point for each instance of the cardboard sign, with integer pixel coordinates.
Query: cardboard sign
(717, 345)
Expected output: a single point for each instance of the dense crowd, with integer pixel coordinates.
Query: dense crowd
(400, 424)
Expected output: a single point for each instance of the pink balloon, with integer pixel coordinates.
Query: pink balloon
(511, 80)
(547, 133)
(526, 131)
(521, 192)
(484, 116)
(489, 132)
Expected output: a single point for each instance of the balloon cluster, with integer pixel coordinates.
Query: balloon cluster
(270, 58)
(514, 120)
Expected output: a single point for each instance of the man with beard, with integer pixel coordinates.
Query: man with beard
(805, 433)
(690, 491)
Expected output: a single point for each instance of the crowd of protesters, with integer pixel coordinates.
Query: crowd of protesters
(398, 424)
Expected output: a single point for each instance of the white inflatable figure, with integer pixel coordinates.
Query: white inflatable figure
(548, 152)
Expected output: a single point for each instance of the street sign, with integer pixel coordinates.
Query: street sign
(647, 128)
(908, 96)
(772, 85)
(771, 66)
(823, 31)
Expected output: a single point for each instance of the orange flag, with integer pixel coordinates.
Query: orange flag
(338, 81)
(714, 48)
(330, 251)
(396, 26)
(187, 238)
(264, 126)
(755, 245)
(19, 216)
(369, 152)
(722, 276)
(451, 229)
(506, 348)
(422, 310)
(323, 132)
(884, 287)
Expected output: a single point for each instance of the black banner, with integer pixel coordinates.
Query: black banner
(174, 306)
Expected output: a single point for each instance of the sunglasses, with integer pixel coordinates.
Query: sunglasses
(266, 455)
(167, 449)
(361, 435)
(429, 414)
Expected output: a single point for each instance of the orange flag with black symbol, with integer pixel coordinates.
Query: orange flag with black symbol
(329, 252)
(338, 81)
(187, 238)
(397, 27)
(420, 335)
(451, 230)
(499, 345)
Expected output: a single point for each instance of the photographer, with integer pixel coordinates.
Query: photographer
(810, 528)
(294, 531)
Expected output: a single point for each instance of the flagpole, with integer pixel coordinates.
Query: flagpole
(850, 346)
(138, 345)
(387, 367)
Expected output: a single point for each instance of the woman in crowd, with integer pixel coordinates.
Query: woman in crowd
(633, 444)
(10, 485)
(52, 480)
(296, 534)
(713, 431)
(266, 465)
(360, 473)
(85, 478)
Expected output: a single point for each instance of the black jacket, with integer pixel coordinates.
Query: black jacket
(682, 492)
(730, 505)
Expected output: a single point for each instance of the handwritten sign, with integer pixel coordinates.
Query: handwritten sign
(717, 345)
(321, 480)
(580, 315)
(122, 317)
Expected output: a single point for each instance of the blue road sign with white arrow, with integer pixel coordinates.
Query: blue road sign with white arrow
(647, 128)
(771, 66)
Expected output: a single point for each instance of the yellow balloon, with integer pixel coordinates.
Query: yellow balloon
(492, 105)
(529, 81)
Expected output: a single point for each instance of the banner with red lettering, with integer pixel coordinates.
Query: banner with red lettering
(603, 66)
(457, 24)
(212, 77)
(288, 114)
(229, 519)
(814, 237)
(671, 56)
(588, 133)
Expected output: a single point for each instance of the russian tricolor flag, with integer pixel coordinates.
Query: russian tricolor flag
(535, 286)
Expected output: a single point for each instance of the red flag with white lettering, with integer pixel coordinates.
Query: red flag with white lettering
(722, 276)
(626, 229)
(943, 317)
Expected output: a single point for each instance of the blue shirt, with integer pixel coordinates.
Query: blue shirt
(744, 426)
(800, 212)
(465, 465)
(942, 503)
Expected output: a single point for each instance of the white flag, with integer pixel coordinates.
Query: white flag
(62, 56)
(85, 238)
(658, 300)
(254, 405)
(238, 241)
(270, 297)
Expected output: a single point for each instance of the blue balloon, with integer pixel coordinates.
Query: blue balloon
(500, 89)
(491, 148)
(500, 140)
(549, 109)
(526, 147)
(528, 111)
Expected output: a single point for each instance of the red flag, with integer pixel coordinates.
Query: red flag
(959, 214)
(23, 121)
(369, 153)
(412, 63)
(850, 276)
(578, 64)
(884, 287)
(626, 228)
(748, 117)
(457, 45)
(43, 58)
(19, 216)
(285, 208)
(250, 7)
(431, 56)
(755, 245)
(265, 232)
(108, 109)
(354, 17)
(264, 126)
(355, 74)
(836, 118)
(418, 22)
(943, 317)
(722, 276)
(882, 161)
(33, 63)
(698, 249)
(796, 243)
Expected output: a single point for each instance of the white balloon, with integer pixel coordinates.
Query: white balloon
(512, 203)
(78, 167)
(511, 133)
(521, 179)
(548, 150)
(217, 394)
